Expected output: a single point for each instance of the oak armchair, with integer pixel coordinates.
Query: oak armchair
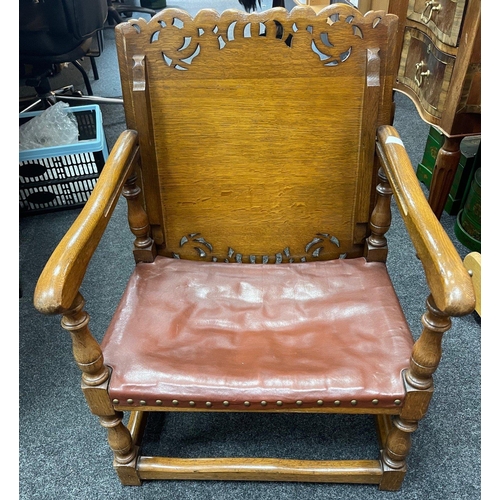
(258, 168)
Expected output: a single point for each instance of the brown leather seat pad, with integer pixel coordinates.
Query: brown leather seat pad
(192, 333)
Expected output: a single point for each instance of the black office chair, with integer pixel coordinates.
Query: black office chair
(54, 32)
(251, 5)
(118, 9)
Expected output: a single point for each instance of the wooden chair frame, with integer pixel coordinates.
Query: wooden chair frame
(451, 294)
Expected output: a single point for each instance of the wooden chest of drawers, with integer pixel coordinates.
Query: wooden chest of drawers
(440, 65)
(426, 71)
(442, 17)
(440, 70)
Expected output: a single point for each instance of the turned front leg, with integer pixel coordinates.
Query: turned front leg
(95, 377)
(425, 358)
(86, 350)
(394, 454)
(426, 353)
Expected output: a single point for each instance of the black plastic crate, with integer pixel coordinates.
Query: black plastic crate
(62, 177)
(48, 197)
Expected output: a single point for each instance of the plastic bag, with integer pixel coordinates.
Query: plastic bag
(53, 127)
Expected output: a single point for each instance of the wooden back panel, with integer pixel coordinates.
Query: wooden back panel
(257, 131)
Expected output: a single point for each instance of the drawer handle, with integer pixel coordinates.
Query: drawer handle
(432, 7)
(419, 73)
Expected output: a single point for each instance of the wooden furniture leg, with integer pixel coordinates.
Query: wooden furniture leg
(472, 263)
(445, 168)
(95, 376)
(424, 362)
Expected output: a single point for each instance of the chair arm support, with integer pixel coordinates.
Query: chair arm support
(448, 280)
(63, 274)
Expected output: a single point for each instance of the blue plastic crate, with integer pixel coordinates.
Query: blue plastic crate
(60, 177)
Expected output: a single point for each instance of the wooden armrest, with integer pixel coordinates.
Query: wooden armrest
(448, 280)
(63, 274)
(472, 263)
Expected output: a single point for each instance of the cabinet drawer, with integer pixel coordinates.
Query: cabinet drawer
(425, 70)
(442, 17)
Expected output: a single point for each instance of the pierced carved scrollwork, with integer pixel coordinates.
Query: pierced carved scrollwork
(199, 244)
(204, 249)
(329, 34)
(317, 244)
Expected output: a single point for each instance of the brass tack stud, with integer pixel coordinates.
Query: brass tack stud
(159, 402)
(354, 402)
(263, 403)
(336, 402)
(192, 403)
(471, 272)
(225, 403)
(279, 403)
(298, 403)
(208, 404)
(397, 402)
(175, 402)
(375, 401)
(247, 403)
(319, 402)
(142, 402)
(115, 401)
(130, 401)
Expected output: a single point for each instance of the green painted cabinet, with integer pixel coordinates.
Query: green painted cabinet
(465, 170)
